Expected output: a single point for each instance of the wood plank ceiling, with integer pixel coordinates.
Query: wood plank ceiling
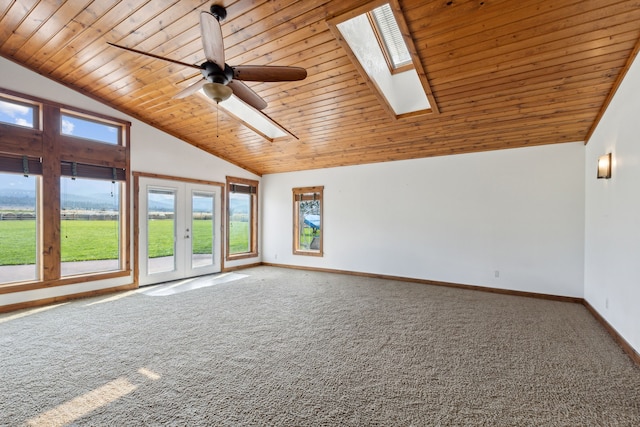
(504, 73)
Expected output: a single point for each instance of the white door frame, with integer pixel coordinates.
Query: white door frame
(184, 189)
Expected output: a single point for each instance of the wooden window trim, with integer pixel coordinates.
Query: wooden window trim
(301, 194)
(253, 244)
(49, 145)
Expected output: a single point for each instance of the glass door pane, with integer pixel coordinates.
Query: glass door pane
(202, 229)
(161, 230)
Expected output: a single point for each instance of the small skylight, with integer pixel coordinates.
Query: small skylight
(394, 46)
(255, 120)
(373, 37)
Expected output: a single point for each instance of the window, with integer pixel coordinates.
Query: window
(307, 221)
(18, 113)
(242, 218)
(63, 190)
(90, 129)
(90, 240)
(18, 227)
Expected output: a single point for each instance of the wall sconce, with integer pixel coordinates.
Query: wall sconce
(604, 166)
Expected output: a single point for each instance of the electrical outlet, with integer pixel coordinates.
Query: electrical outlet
(606, 303)
(497, 273)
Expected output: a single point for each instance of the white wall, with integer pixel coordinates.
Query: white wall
(456, 219)
(151, 151)
(612, 219)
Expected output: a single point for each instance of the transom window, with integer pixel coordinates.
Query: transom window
(19, 113)
(95, 130)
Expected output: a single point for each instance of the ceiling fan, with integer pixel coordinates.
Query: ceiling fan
(221, 80)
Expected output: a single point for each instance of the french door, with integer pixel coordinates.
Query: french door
(179, 229)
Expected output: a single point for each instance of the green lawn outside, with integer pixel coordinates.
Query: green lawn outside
(83, 240)
(238, 237)
(161, 237)
(86, 240)
(17, 242)
(202, 238)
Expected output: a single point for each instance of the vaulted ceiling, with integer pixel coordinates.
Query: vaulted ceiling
(503, 73)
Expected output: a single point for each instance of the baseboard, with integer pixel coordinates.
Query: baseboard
(64, 298)
(435, 283)
(631, 352)
(241, 267)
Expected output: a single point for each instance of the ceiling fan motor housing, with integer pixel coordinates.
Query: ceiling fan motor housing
(219, 12)
(214, 74)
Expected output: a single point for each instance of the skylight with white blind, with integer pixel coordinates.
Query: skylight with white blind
(392, 43)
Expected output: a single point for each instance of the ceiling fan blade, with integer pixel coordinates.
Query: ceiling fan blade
(246, 94)
(212, 38)
(199, 75)
(268, 73)
(189, 90)
(156, 56)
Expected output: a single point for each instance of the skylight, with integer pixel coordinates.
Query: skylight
(374, 37)
(255, 120)
(393, 45)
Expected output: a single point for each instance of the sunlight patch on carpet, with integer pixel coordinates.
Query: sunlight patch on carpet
(114, 297)
(185, 285)
(83, 405)
(29, 312)
(149, 374)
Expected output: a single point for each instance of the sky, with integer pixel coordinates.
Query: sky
(22, 115)
(16, 181)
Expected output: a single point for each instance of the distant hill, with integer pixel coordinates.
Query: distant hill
(24, 199)
(16, 192)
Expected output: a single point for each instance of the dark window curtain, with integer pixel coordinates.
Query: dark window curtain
(23, 165)
(243, 189)
(81, 170)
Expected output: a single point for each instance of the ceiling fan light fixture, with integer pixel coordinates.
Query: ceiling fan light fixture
(217, 91)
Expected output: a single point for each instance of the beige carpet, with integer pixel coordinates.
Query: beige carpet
(296, 348)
